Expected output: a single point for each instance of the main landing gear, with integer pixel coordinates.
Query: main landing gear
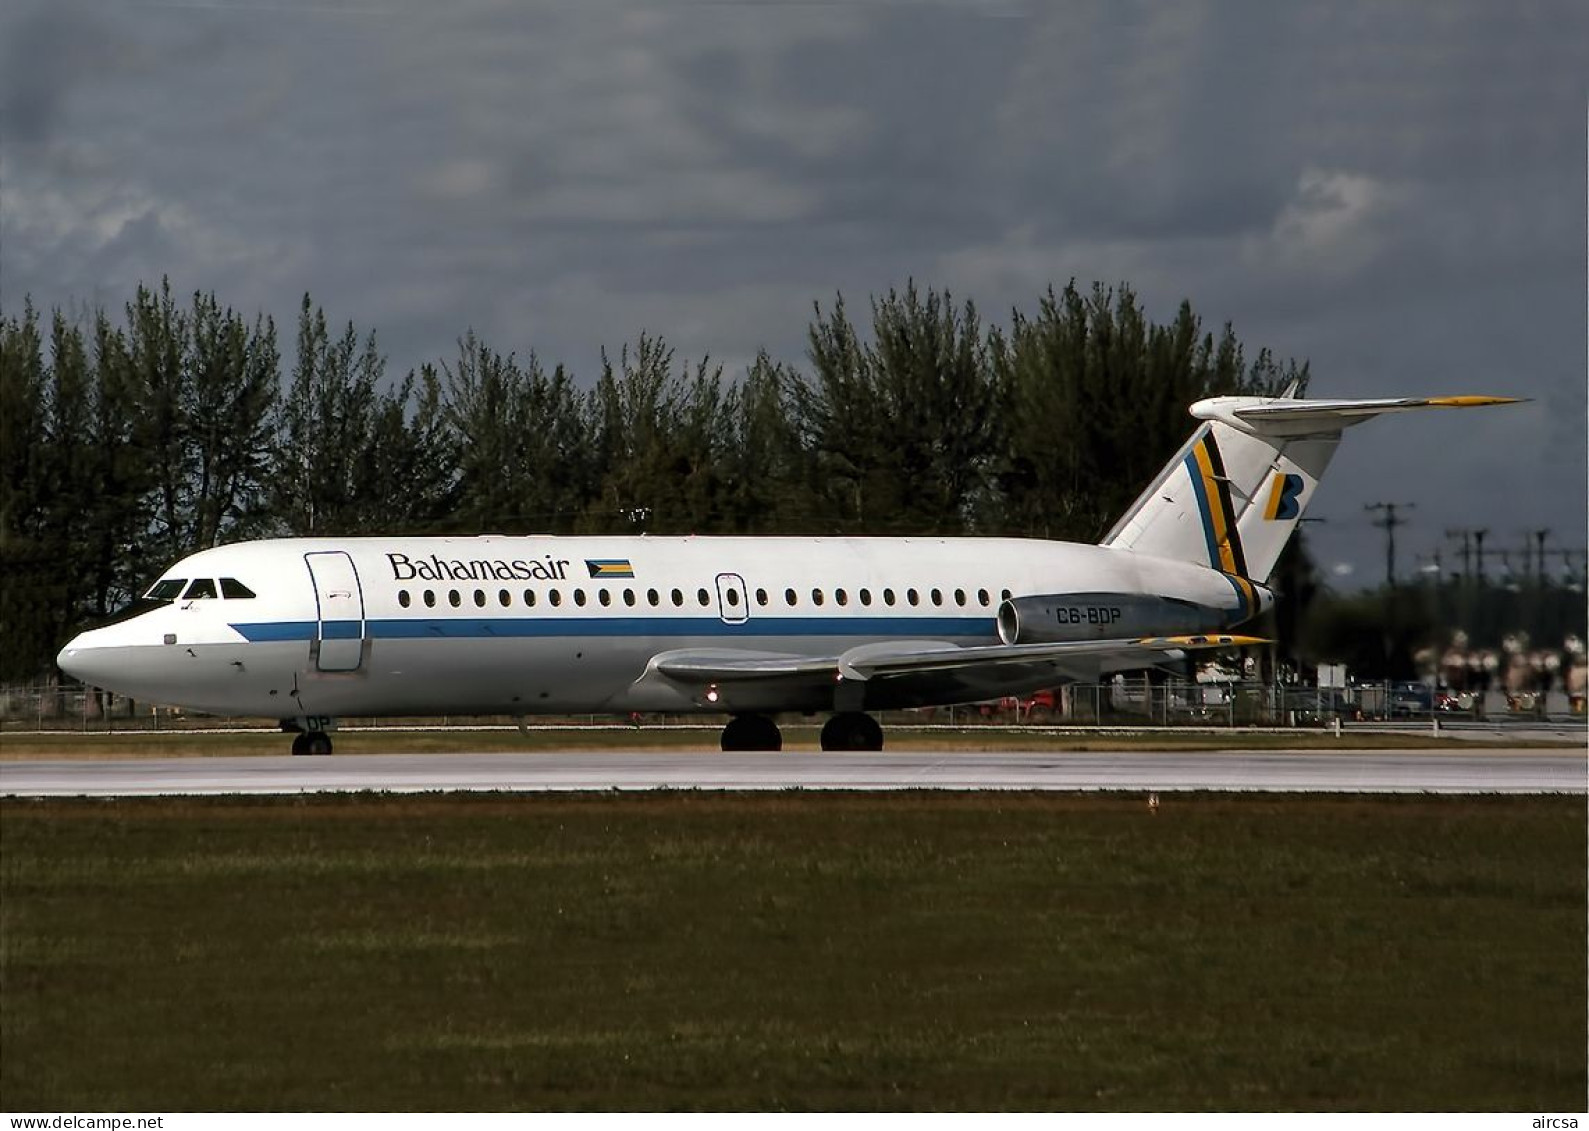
(852, 730)
(311, 743)
(848, 730)
(752, 732)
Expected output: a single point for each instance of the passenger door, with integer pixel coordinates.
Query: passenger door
(733, 603)
(339, 632)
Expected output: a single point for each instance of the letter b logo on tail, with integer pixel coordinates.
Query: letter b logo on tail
(1284, 497)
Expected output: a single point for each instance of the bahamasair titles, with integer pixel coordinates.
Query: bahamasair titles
(313, 630)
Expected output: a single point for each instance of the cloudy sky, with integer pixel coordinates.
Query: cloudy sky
(1395, 193)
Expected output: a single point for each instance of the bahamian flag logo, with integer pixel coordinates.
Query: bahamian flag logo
(609, 567)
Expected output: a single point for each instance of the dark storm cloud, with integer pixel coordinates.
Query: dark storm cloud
(46, 51)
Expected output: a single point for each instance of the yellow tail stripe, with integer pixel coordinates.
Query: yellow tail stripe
(1276, 489)
(1216, 506)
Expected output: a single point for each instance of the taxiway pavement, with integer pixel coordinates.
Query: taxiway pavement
(1469, 771)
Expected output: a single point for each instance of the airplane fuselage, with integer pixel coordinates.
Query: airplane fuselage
(499, 625)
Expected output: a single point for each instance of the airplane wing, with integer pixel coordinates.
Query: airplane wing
(724, 665)
(933, 666)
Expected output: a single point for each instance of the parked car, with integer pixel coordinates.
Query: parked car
(1411, 699)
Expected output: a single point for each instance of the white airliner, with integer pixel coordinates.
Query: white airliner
(309, 630)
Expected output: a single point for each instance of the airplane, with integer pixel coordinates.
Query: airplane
(313, 630)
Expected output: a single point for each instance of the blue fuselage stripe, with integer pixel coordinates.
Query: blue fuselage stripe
(486, 628)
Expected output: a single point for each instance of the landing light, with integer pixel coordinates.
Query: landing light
(711, 694)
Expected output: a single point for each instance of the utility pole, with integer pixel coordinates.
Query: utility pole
(1389, 523)
(1465, 535)
(1539, 549)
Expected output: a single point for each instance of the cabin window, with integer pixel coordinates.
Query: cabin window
(480, 598)
(937, 596)
(454, 598)
(168, 590)
(555, 597)
(960, 597)
(628, 597)
(235, 590)
(912, 597)
(430, 598)
(816, 596)
(504, 598)
(703, 597)
(653, 598)
(678, 598)
(888, 597)
(1006, 594)
(200, 587)
(403, 598)
(789, 598)
(866, 596)
(529, 598)
(761, 597)
(579, 597)
(841, 597)
(604, 596)
(982, 598)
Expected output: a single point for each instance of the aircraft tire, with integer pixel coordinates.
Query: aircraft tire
(313, 744)
(751, 732)
(852, 730)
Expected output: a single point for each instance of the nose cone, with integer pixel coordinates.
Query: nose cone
(85, 662)
(67, 659)
(92, 657)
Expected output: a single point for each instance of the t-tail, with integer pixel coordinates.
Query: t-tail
(1232, 496)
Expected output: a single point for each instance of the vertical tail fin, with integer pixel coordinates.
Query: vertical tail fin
(1234, 493)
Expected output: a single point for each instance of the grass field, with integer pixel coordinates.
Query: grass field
(662, 951)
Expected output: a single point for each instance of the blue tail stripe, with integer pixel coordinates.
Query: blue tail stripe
(1201, 494)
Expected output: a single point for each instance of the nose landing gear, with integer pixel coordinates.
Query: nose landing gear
(311, 743)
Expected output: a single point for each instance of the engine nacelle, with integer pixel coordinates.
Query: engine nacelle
(1057, 618)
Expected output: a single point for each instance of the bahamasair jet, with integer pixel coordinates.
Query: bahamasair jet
(312, 630)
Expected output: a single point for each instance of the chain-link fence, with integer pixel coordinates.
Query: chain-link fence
(1124, 702)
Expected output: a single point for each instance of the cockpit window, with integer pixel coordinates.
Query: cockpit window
(168, 590)
(200, 587)
(234, 589)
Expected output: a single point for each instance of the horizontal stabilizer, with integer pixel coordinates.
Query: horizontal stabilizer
(1288, 417)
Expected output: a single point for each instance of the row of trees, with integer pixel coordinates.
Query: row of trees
(129, 442)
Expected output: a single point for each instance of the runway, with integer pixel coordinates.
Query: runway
(1468, 771)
